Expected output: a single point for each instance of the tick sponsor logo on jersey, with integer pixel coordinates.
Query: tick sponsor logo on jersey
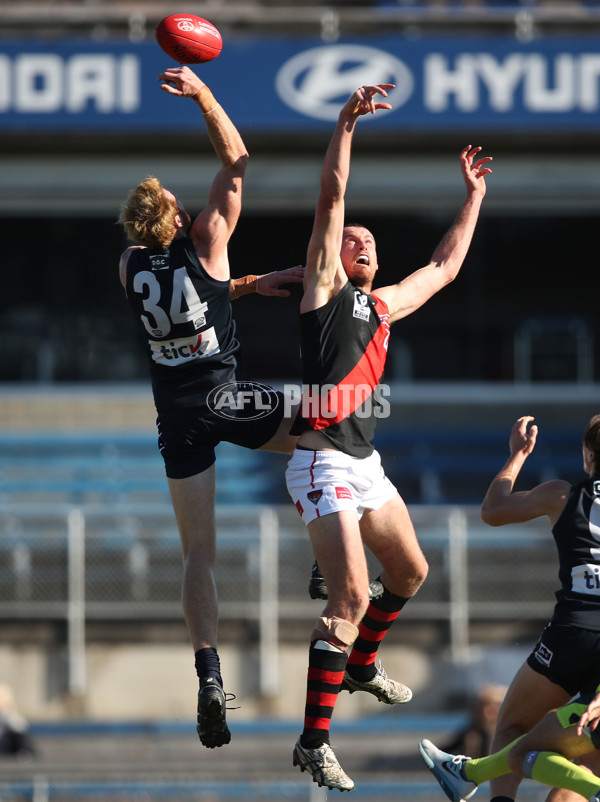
(586, 578)
(181, 351)
(243, 401)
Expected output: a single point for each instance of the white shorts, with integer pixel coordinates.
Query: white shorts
(322, 482)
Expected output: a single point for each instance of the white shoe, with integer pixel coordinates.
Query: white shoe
(323, 765)
(385, 689)
(447, 770)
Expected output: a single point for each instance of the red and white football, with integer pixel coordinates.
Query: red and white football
(189, 39)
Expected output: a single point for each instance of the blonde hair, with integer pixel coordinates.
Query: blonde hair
(148, 216)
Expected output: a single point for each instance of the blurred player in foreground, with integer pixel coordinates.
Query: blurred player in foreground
(178, 283)
(335, 477)
(544, 754)
(565, 660)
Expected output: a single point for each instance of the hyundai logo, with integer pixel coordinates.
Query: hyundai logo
(317, 82)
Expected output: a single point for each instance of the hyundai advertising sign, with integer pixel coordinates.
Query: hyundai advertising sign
(275, 85)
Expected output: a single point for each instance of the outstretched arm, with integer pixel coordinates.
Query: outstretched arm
(324, 273)
(212, 229)
(268, 284)
(502, 506)
(447, 259)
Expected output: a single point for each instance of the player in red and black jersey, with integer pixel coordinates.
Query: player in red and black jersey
(335, 476)
(178, 284)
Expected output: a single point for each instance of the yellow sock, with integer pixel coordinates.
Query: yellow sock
(481, 769)
(553, 769)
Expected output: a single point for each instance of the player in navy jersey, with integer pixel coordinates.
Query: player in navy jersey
(335, 477)
(566, 659)
(178, 284)
(569, 648)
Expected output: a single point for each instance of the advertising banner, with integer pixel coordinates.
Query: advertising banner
(271, 85)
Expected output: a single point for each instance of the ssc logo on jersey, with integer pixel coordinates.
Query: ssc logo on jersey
(243, 401)
(159, 261)
(361, 306)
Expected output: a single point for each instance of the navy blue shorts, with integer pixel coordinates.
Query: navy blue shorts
(187, 437)
(568, 656)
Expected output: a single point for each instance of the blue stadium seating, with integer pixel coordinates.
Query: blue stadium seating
(112, 467)
(427, 466)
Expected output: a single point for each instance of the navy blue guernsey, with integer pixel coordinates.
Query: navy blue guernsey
(344, 348)
(187, 322)
(577, 536)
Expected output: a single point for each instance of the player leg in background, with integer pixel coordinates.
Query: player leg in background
(338, 547)
(389, 534)
(529, 696)
(544, 754)
(194, 506)
(590, 762)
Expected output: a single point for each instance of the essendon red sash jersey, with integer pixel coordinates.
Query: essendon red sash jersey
(344, 348)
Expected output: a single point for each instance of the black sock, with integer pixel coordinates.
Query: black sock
(502, 799)
(379, 617)
(208, 664)
(325, 675)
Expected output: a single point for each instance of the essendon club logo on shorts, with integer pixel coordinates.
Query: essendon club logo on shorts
(314, 496)
(343, 492)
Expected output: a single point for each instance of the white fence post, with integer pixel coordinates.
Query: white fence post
(76, 602)
(458, 584)
(269, 606)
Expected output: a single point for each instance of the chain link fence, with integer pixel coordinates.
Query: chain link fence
(123, 562)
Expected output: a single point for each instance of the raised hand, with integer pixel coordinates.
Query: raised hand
(473, 170)
(363, 100)
(523, 436)
(180, 81)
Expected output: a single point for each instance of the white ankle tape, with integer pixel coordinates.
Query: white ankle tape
(325, 646)
(337, 628)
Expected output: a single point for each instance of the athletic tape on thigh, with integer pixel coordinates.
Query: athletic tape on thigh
(340, 629)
